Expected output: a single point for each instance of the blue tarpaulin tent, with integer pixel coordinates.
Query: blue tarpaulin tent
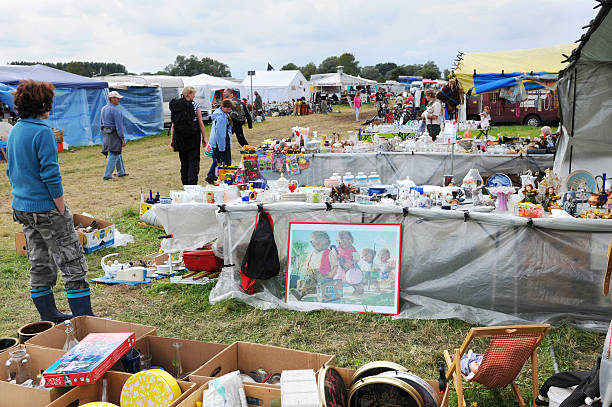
(77, 104)
(142, 110)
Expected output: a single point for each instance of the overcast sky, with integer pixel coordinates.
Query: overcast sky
(147, 35)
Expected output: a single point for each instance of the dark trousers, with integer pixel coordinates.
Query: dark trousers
(219, 158)
(434, 130)
(190, 166)
(237, 128)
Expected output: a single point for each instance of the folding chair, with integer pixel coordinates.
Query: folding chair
(508, 350)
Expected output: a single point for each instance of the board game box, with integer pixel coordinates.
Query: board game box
(89, 360)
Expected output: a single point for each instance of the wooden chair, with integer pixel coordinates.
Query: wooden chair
(508, 350)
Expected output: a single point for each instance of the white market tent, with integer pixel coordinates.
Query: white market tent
(277, 86)
(585, 95)
(341, 79)
(206, 86)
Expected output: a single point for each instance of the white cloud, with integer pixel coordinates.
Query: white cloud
(148, 35)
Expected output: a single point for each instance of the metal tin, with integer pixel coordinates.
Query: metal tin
(383, 391)
(374, 368)
(332, 390)
(425, 390)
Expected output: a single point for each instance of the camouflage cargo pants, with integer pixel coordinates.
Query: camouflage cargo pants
(52, 242)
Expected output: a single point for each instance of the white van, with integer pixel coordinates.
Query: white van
(171, 87)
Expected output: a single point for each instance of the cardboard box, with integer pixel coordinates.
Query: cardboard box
(55, 337)
(347, 375)
(13, 395)
(258, 396)
(144, 208)
(99, 239)
(245, 356)
(99, 350)
(194, 353)
(88, 393)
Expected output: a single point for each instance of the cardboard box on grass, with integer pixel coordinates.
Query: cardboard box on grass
(55, 337)
(14, 395)
(89, 393)
(92, 241)
(347, 375)
(194, 354)
(246, 357)
(257, 395)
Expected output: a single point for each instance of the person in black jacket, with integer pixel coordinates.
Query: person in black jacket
(239, 114)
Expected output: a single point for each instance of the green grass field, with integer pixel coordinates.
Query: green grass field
(184, 311)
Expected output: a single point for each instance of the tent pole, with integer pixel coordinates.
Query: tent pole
(574, 103)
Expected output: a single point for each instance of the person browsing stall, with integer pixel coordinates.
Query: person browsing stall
(357, 104)
(220, 139)
(113, 136)
(432, 114)
(186, 134)
(38, 205)
(240, 115)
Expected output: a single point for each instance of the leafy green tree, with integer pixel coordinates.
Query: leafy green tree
(446, 73)
(402, 70)
(371, 72)
(290, 67)
(385, 67)
(190, 66)
(308, 70)
(350, 64)
(430, 70)
(328, 65)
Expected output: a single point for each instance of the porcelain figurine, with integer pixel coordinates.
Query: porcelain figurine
(550, 199)
(530, 194)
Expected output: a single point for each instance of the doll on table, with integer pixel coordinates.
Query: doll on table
(530, 194)
(550, 199)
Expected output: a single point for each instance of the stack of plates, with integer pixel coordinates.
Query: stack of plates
(293, 197)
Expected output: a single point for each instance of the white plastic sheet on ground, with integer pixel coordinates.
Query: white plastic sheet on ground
(487, 269)
(423, 168)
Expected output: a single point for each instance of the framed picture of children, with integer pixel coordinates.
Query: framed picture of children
(344, 266)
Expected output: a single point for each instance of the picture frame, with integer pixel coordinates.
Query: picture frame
(351, 267)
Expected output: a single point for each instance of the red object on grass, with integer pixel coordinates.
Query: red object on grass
(60, 147)
(203, 259)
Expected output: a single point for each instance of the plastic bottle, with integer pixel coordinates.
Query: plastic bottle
(177, 364)
(361, 179)
(104, 397)
(71, 340)
(373, 179)
(348, 178)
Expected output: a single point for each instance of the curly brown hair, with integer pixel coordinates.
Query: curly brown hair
(33, 99)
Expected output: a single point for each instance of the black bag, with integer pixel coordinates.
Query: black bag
(587, 387)
(261, 258)
(182, 115)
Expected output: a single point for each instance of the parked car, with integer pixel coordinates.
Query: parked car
(541, 106)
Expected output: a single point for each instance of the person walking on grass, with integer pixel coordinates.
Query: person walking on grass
(113, 136)
(38, 205)
(186, 134)
(357, 104)
(220, 139)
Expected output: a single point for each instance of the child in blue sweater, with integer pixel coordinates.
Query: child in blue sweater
(38, 204)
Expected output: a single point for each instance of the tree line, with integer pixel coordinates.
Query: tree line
(88, 69)
(379, 72)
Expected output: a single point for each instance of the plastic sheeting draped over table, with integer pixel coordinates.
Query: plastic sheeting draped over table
(423, 168)
(486, 269)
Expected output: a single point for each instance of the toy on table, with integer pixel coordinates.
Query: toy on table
(530, 194)
(550, 199)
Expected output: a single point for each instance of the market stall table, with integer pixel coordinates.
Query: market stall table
(482, 268)
(421, 167)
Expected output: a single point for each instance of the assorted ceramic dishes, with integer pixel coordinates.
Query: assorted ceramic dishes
(581, 179)
(499, 180)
